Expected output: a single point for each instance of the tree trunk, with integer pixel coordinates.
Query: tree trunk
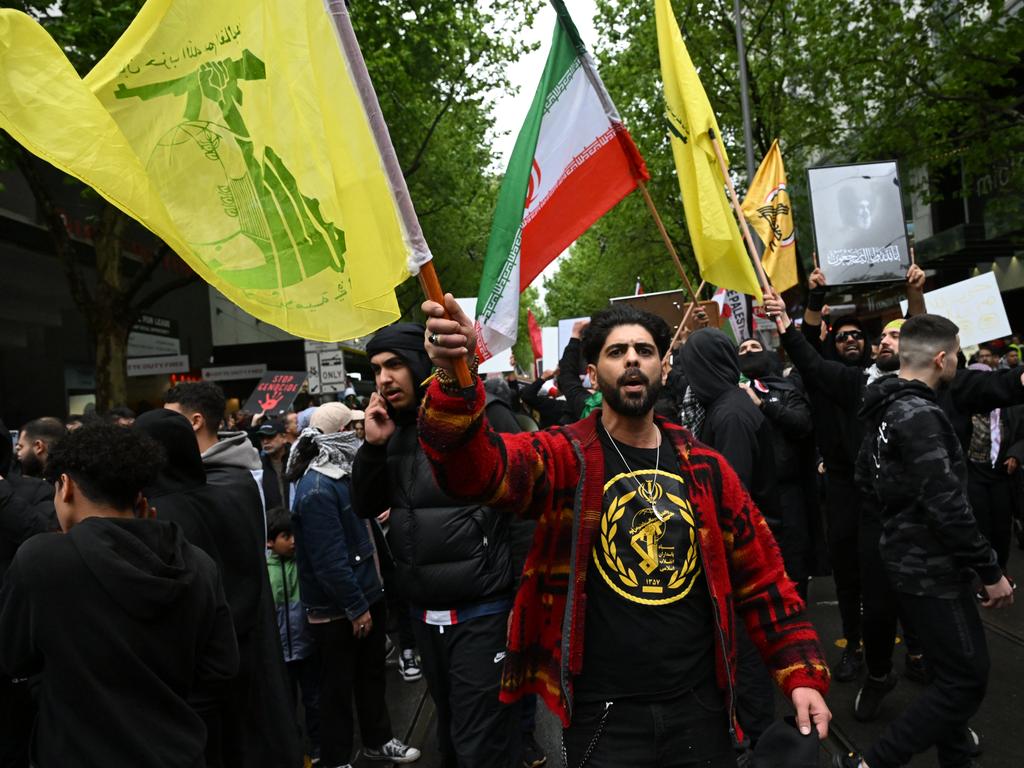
(111, 365)
(111, 317)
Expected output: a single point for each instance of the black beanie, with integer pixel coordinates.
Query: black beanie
(406, 341)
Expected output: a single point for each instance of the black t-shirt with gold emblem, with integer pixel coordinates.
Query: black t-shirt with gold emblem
(649, 628)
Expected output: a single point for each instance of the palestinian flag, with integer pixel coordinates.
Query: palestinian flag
(735, 313)
(573, 161)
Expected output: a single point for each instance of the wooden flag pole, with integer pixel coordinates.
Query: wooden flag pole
(667, 240)
(682, 323)
(751, 250)
(432, 289)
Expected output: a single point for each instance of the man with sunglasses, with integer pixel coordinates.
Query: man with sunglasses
(837, 392)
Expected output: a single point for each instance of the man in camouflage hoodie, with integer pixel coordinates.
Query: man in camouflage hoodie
(930, 546)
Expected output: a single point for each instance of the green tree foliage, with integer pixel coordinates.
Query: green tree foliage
(932, 83)
(436, 66)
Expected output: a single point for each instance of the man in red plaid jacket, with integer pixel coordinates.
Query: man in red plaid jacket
(647, 545)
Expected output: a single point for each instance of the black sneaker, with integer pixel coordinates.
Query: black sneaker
(533, 755)
(849, 760)
(394, 751)
(916, 668)
(850, 665)
(869, 698)
(974, 742)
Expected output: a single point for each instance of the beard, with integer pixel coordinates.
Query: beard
(888, 363)
(31, 466)
(623, 405)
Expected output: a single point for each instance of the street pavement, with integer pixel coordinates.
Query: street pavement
(999, 722)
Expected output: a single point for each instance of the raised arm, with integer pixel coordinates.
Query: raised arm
(569, 372)
(840, 382)
(471, 460)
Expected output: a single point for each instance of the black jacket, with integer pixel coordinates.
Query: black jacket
(551, 411)
(448, 554)
(913, 468)
(570, 384)
(835, 389)
(26, 509)
(125, 621)
(733, 425)
(225, 521)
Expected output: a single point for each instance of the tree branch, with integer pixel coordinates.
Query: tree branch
(146, 271)
(160, 291)
(63, 246)
(418, 159)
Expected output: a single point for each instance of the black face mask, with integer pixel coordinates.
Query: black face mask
(757, 365)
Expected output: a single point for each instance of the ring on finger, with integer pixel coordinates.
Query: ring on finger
(434, 339)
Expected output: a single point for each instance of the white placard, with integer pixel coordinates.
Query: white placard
(155, 366)
(549, 338)
(974, 304)
(234, 372)
(565, 333)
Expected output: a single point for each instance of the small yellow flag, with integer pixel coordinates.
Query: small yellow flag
(236, 132)
(770, 214)
(716, 239)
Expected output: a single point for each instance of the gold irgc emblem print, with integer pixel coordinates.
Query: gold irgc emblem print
(632, 560)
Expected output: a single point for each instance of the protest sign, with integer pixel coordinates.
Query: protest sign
(565, 333)
(549, 336)
(671, 307)
(275, 393)
(974, 304)
(859, 228)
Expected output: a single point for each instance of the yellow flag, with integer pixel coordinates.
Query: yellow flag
(716, 239)
(236, 131)
(770, 214)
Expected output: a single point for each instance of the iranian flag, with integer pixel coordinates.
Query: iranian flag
(573, 161)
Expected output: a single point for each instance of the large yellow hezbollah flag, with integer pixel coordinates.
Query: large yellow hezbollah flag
(770, 213)
(236, 131)
(691, 123)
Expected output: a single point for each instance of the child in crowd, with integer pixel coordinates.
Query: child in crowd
(300, 654)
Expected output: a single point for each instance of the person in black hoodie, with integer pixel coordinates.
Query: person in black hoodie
(26, 509)
(122, 618)
(931, 546)
(452, 558)
(737, 429)
(782, 401)
(250, 721)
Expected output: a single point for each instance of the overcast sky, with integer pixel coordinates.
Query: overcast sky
(510, 110)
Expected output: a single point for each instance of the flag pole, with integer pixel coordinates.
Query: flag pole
(682, 323)
(421, 260)
(642, 185)
(751, 250)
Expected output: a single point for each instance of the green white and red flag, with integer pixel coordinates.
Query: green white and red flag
(573, 161)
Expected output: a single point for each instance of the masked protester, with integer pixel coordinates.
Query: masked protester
(784, 404)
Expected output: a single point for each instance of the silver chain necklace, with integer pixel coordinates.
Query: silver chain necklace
(657, 470)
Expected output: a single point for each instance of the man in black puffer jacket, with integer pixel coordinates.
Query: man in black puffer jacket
(453, 561)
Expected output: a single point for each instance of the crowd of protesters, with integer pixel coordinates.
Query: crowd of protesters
(629, 539)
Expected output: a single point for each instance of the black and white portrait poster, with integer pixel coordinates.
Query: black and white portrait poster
(859, 227)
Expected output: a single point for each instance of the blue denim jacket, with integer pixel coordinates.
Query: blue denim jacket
(333, 549)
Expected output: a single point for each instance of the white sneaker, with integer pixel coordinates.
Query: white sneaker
(395, 751)
(409, 666)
